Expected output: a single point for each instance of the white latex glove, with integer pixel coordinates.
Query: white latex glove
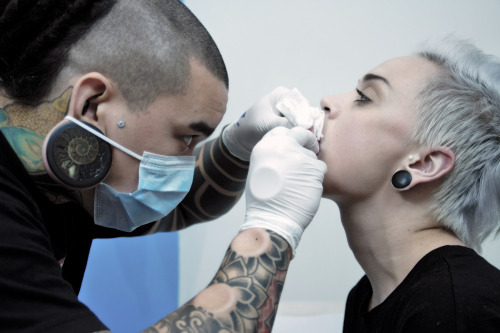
(241, 136)
(285, 183)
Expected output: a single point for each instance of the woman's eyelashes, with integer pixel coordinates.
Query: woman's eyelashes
(362, 98)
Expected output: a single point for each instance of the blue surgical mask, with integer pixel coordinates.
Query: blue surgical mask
(164, 181)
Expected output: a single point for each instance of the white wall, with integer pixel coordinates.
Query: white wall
(320, 47)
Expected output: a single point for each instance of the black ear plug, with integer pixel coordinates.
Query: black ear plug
(401, 179)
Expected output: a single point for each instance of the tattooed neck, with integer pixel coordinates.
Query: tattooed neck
(26, 126)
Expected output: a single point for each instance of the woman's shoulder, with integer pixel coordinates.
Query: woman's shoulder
(459, 281)
(458, 262)
(450, 289)
(459, 267)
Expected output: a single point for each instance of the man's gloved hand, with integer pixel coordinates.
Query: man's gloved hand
(241, 136)
(285, 183)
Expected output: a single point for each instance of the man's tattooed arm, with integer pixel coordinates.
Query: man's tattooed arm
(244, 295)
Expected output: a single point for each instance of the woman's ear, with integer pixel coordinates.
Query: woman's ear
(431, 165)
(90, 90)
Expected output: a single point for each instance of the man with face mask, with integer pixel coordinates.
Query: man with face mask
(103, 105)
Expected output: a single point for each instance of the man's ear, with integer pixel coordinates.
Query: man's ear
(90, 90)
(431, 165)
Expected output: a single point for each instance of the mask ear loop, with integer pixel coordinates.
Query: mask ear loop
(104, 138)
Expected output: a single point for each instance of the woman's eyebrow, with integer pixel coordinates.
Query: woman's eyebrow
(370, 76)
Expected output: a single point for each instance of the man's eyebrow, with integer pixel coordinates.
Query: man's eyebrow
(369, 77)
(202, 127)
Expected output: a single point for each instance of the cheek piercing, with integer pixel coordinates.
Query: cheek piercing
(120, 124)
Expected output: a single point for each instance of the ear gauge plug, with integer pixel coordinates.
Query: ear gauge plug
(401, 179)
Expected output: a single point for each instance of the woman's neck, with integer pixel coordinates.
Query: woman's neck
(389, 239)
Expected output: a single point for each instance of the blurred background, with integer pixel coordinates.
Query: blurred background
(320, 47)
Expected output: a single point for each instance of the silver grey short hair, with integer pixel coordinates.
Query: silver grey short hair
(460, 109)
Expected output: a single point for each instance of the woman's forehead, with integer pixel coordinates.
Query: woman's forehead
(406, 71)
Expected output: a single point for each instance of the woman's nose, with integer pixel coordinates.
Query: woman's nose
(327, 104)
(324, 104)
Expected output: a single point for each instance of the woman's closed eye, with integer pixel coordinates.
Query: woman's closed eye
(362, 97)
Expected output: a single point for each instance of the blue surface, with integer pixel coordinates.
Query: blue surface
(131, 283)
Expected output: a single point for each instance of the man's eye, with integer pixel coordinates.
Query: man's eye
(362, 97)
(188, 139)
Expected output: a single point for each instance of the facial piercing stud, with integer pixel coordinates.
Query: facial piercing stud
(120, 124)
(411, 157)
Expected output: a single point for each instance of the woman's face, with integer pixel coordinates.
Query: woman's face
(367, 131)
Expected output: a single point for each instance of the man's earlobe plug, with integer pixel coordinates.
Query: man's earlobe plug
(401, 179)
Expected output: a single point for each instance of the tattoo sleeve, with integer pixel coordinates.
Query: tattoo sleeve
(244, 295)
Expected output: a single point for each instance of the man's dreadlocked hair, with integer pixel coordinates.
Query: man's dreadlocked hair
(144, 46)
(35, 37)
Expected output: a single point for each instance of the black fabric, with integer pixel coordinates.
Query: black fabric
(451, 289)
(34, 296)
(78, 235)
